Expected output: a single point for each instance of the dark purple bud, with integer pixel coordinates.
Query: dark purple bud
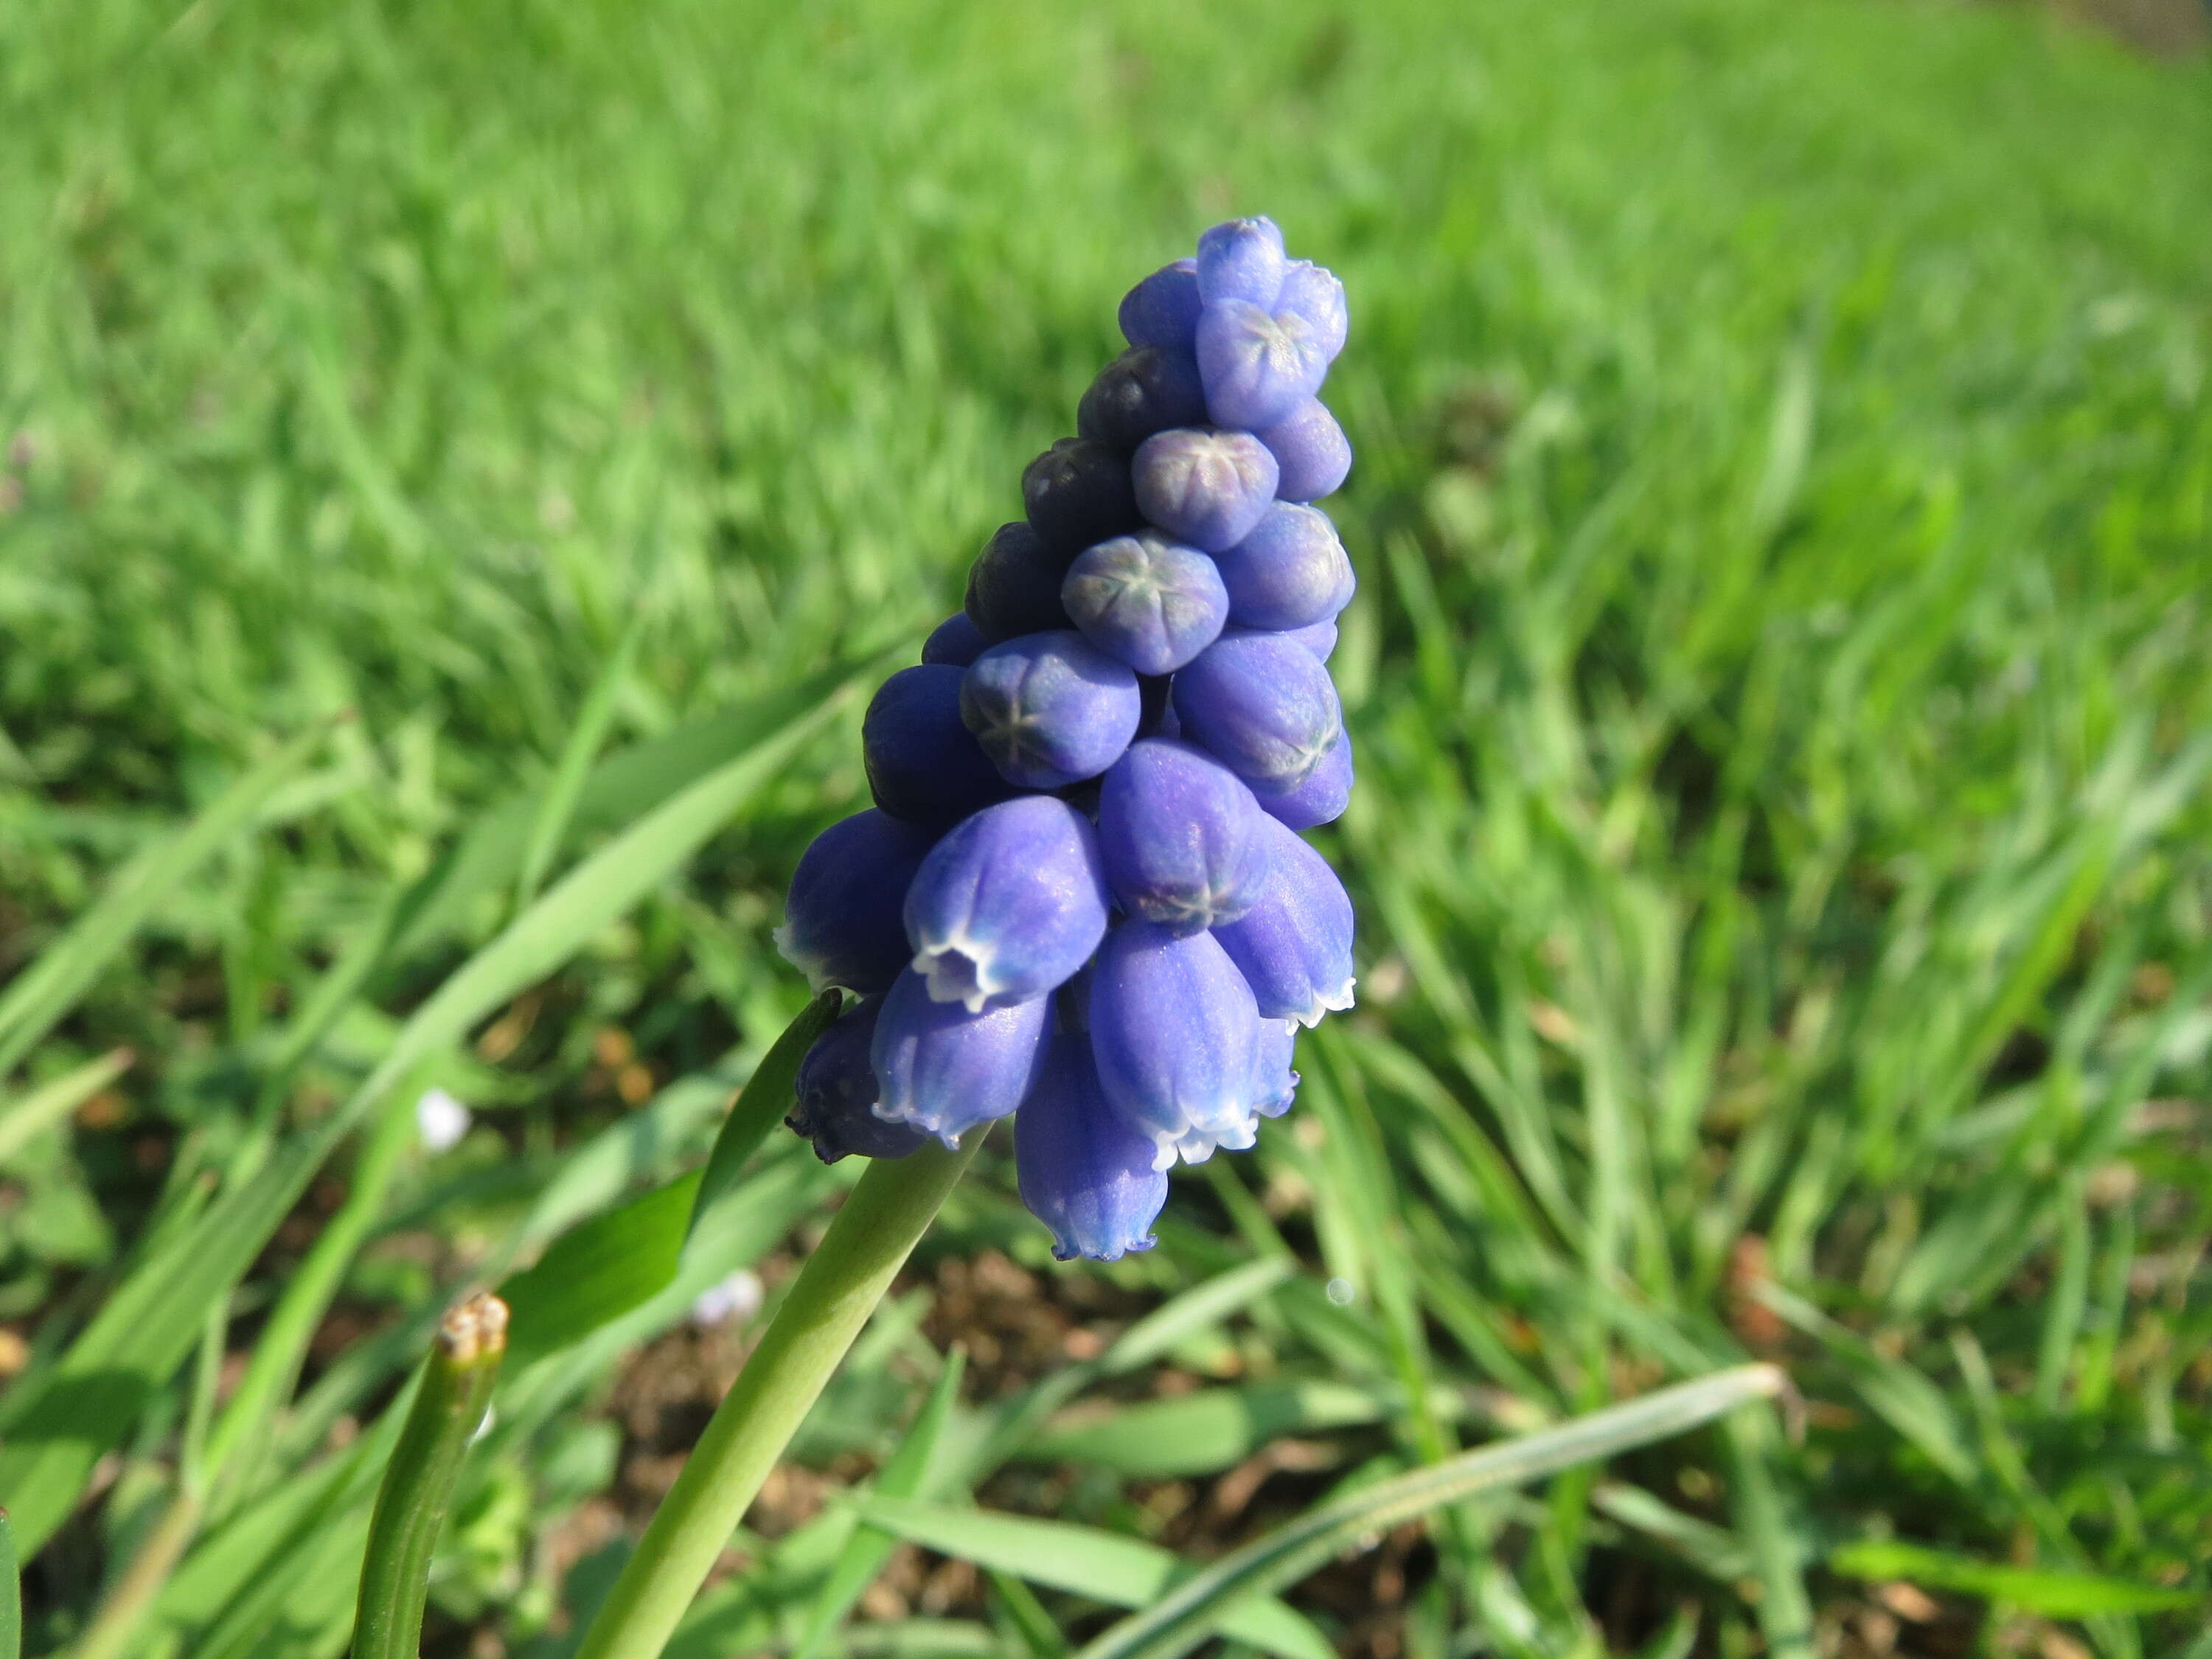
(1291, 572)
(944, 1070)
(957, 641)
(1013, 587)
(1258, 365)
(1312, 456)
(1294, 947)
(1163, 309)
(841, 919)
(1050, 710)
(922, 763)
(1008, 905)
(1077, 493)
(1205, 488)
(837, 1090)
(1184, 842)
(1263, 706)
(1242, 259)
(1146, 389)
(1173, 1028)
(1320, 638)
(1146, 601)
(1313, 294)
(1321, 798)
(1274, 1084)
(1083, 1172)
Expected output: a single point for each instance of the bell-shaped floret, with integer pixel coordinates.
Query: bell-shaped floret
(922, 764)
(941, 1069)
(1146, 601)
(1313, 292)
(1008, 905)
(1257, 365)
(1294, 947)
(1263, 706)
(1321, 798)
(1083, 1172)
(1163, 309)
(1274, 1084)
(1076, 492)
(1173, 1028)
(1185, 844)
(1013, 587)
(1241, 259)
(1050, 710)
(1204, 487)
(1291, 572)
(1146, 389)
(836, 1093)
(841, 919)
(1313, 458)
(957, 641)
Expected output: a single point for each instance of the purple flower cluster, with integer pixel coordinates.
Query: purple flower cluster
(1081, 895)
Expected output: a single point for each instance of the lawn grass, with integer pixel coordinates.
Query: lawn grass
(1783, 512)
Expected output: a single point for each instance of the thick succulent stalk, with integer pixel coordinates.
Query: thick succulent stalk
(837, 1291)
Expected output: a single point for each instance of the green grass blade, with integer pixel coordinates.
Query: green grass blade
(418, 1482)
(33, 1114)
(93, 1394)
(558, 805)
(11, 1593)
(1180, 1620)
(762, 1103)
(1101, 1566)
(47, 990)
(905, 1474)
(2050, 1592)
(599, 1270)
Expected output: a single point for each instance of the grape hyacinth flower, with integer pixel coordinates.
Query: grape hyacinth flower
(1080, 900)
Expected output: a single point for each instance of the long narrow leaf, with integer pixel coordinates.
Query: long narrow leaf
(1182, 1618)
(762, 1104)
(558, 804)
(47, 990)
(38, 1111)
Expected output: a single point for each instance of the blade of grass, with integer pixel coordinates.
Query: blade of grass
(48, 989)
(11, 1593)
(418, 1482)
(762, 1103)
(558, 804)
(1179, 1620)
(33, 1114)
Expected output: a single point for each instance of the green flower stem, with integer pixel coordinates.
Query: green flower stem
(832, 1298)
(418, 1481)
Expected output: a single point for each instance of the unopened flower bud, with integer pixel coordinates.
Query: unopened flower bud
(836, 1093)
(1183, 840)
(944, 1070)
(1204, 487)
(922, 763)
(841, 921)
(1050, 710)
(1294, 947)
(1322, 797)
(1242, 259)
(1146, 601)
(1013, 587)
(1263, 706)
(1163, 309)
(1291, 572)
(1258, 365)
(956, 640)
(1314, 294)
(1146, 389)
(1077, 493)
(1312, 456)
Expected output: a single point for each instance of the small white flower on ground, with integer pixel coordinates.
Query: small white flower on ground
(736, 1298)
(440, 1120)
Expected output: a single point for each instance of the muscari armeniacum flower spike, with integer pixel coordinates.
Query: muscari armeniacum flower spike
(923, 764)
(1050, 710)
(1163, 309)
(1291, 572)
(1146, 601)
(1173, 1028)
(842, 918)
(1203, 487)
(1294, 947)
(1321, 798)
(1008, 905)
(1312, 456)
(1262, 705)
(944, 1070)
(836, 1093)
(1084, 1172)
(1184, 842)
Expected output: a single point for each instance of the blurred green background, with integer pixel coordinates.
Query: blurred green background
(1783, 508)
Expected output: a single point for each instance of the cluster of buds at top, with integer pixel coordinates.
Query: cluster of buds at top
(1081, 897)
